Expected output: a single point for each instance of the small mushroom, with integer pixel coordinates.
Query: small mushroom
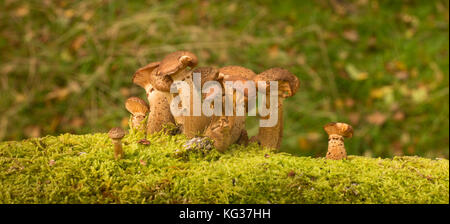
(139, 109)
(116, 135)
(159, 106)
(288, 84)
(336, 134)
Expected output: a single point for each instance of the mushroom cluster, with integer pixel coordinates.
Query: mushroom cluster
(157, 78)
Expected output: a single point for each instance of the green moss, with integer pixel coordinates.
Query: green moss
(82, 169)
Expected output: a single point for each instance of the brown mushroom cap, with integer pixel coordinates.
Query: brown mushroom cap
(136, 106)
(245, 85)
(161, 83)
(142, 77)
(337, 128)
(288, 82)
(235, 70)
(207, 73)
(176, 61)
(116, 133)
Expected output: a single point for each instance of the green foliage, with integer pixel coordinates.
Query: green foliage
(81, 169)
(382, 66)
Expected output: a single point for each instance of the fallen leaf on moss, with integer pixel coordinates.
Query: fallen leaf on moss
(144, 142)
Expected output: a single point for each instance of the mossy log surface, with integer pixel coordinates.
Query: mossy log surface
(82, 169)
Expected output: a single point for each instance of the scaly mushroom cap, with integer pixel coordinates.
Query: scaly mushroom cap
(336, 128)
(234, 70)
(136, 106)
(142, 77)
(288, 83)
(116, 133)
(147, 75)
(161, 83)
(207, 73)
(176, 61)
(244, 82)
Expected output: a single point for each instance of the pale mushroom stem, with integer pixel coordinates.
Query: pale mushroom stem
(136, 122)
(159, 112)
(336, 148)
(192, 125)
(271, 136)
(118, 152)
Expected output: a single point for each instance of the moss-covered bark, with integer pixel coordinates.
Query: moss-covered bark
(82, 169)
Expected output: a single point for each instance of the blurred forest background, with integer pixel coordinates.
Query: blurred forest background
(382, 66)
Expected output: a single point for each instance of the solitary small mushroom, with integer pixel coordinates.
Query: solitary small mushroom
(336, 134)
(116, 135)
(139, 109)
(288, 84)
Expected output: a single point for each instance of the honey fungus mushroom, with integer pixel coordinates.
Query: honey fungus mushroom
(195, 125)
(235, 70)
(138, 109)
(336, 133)
(179, 66)
(116, 134)
(160, 114)
(227, 130)
(175, 64)
(288, 85)
(239, 74)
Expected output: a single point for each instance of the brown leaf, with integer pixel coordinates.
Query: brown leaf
(372, 42)
(411, 150)
(58, 93)
(303, 144)
(125, 92)
(291, 173)
(77, 122)
(22, 11)
(398, 148)
(354, 117)
(313, 136)
(124, 122)
(33, 131)
(351, 35)
(274, 51)
(142, 162)
(402, 75)
(399, 116)
(78, 42)
(376, 118)
(144, 142)
(349, 102)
